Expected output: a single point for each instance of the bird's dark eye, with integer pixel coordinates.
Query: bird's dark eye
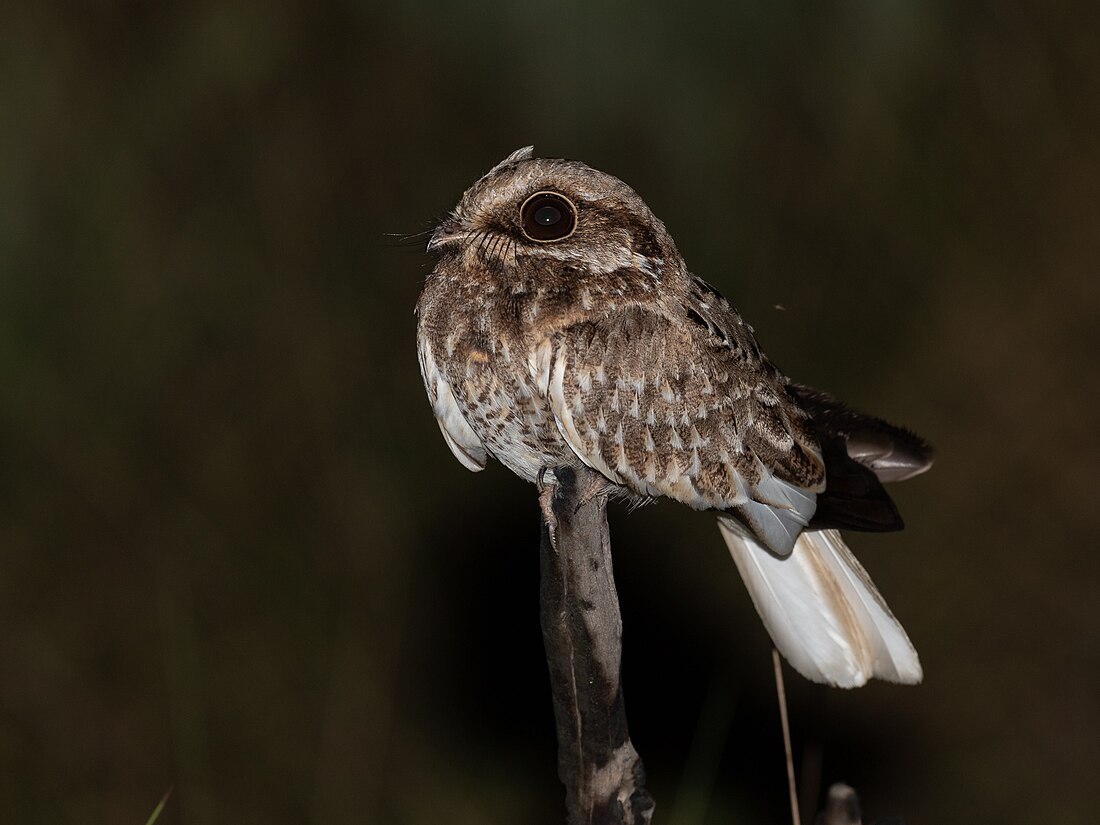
(548, 216)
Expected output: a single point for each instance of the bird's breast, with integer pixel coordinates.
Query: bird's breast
(504, 402)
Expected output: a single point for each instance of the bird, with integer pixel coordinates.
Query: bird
(561, 327)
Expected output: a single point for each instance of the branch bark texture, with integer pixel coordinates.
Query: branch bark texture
(582, 631)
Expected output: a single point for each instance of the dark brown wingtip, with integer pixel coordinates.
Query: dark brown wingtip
(854, 498)
(891, 452)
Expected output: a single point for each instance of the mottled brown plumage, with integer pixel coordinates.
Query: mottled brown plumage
(561, 327)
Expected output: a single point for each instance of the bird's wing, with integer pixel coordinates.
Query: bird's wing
(458, 434)
(669, 406)
(892, 453)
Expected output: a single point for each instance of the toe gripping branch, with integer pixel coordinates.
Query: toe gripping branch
(582, 632)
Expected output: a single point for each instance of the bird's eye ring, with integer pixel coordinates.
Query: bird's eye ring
(548, 216)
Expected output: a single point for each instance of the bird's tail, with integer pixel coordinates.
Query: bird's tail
(822, 609)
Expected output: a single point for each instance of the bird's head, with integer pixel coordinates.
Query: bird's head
(548, 210)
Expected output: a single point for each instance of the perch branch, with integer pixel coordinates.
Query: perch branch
(582, 631)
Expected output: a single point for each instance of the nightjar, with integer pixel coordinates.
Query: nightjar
(561, 327)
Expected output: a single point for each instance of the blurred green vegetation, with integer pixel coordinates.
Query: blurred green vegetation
(236, 555)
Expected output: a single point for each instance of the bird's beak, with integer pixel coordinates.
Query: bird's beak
(449, 231)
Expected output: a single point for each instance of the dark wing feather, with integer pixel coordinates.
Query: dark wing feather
(860, 452)
(893, 453)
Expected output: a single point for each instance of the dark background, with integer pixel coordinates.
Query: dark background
(236, 556)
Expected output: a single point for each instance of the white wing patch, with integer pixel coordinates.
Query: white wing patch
(458, 434)
(822, 610)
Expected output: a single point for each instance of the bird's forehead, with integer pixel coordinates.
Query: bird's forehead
(511, 183)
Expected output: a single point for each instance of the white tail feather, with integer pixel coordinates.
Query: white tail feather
(822, 609)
